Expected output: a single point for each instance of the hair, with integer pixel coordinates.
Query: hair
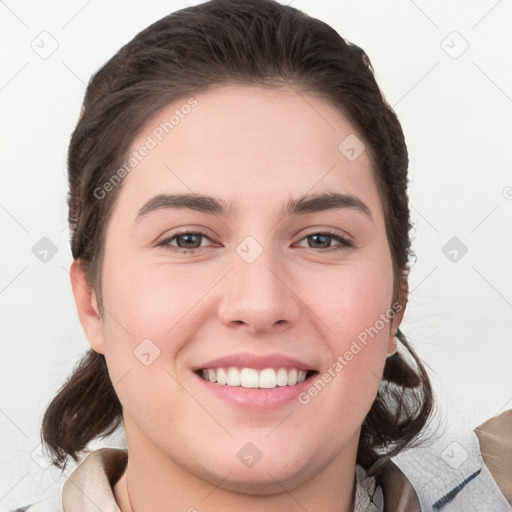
(251, 42)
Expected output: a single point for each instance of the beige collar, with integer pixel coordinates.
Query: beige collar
(89, 487)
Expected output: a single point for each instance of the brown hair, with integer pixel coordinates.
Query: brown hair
(257, 42)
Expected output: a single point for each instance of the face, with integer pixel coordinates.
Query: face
(284, 273)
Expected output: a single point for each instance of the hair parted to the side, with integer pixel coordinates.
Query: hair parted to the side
(259, 42)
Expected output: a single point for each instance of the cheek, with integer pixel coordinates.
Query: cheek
(351, 298)
(353, 305)
(145, 328)
(153, 313)
(149, 300)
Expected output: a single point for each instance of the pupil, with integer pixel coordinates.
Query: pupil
(323, 240)
(187, 238)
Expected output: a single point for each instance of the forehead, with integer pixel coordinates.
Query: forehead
(249, 143)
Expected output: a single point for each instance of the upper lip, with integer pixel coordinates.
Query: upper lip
(258, 362)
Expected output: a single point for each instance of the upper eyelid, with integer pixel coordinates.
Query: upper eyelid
(328, 231)
(167, 239)
(185, 231)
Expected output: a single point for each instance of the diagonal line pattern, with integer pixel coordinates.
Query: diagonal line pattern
(103, 306)
(65, 65)
(280, 423)
(316, 110)
(424, 279)
(13, 487)
(76, 14)
(488, 215)
(309, 190)
(425, 219)
(13, 13)
(416, 84)
(14, 218)
(13, 279)
(287, 492)
(79, 487)
(203, 296)
(216, 486)
(120, 379)
(491, 80)
(14, 423)
(14, 76)
(492, 286)
(300, 300)
(486, 14)
(502, 408)
(194, 193)
(424, 14)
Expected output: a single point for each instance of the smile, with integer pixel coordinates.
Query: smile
(266, 378)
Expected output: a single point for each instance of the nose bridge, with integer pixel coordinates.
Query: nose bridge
(256, 293)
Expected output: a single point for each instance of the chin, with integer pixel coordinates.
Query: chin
(275, 470)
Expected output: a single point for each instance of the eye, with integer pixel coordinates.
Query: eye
(189, 242)
(186, 242)
(322, 240)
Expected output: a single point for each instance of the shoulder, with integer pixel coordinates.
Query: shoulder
(92, 477)
(463, 470)
(495, 439)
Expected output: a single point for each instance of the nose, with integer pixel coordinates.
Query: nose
(258, 297)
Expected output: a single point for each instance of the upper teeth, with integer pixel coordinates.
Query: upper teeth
(251, 378)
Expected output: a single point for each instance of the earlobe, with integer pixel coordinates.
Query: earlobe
(399, 311)
(87, 307)
(392, 346)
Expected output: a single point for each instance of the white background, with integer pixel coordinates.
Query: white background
(457, 117)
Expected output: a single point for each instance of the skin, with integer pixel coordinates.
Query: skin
(257, 148)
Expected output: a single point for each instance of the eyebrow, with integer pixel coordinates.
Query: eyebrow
(308, 203)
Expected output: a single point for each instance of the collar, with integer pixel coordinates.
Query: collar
(89, 487)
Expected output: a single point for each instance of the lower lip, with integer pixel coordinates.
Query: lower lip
(257, 398)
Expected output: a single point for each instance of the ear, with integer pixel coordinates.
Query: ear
(87, 307)
(399, 309)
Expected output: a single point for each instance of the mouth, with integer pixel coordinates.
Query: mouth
(266, 378)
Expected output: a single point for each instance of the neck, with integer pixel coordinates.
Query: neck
(153, 481)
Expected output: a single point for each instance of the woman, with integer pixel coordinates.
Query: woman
(240, 233)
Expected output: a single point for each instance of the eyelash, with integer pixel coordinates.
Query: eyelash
(344, 243)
